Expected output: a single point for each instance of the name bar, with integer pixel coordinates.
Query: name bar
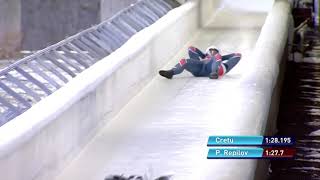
(250, 153)
(251, 141)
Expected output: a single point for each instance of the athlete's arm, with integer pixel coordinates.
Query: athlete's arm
(228, 56)
(217, 60)
(198, 51)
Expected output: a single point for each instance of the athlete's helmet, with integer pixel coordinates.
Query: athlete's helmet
(211, 48)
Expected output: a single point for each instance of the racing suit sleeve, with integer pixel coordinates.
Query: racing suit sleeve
(228, 56)
(217, 60)
(198, 51)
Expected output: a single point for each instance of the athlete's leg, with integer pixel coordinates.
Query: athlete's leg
(191, 65)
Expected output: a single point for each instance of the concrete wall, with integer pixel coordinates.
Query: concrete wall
(110, 7)
(45, 22)
(36, 24)
(10, 29)
(39, 143)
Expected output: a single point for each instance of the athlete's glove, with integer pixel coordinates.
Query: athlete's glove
(213, 76)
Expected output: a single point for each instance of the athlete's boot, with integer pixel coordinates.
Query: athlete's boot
(168, 74)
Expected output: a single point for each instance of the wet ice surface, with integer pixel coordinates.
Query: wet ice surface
(165, 128)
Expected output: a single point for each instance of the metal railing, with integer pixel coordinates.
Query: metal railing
(26, 82)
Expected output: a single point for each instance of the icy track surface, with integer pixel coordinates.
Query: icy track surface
(165, 128)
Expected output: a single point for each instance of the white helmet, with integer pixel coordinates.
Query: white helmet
(211, 47)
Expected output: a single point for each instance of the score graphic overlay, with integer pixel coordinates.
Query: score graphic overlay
(268, 147)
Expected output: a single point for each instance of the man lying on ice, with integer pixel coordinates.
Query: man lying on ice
(210, 64)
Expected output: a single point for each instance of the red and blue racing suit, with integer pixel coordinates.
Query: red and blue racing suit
(204, 65)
